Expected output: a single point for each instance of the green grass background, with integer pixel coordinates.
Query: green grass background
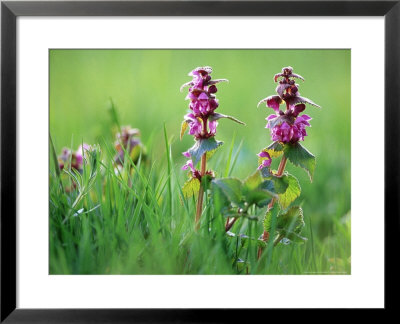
(144, 86)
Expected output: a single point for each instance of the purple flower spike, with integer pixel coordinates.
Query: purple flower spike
(127, 141)
(202, 122)
(203, 103)
(64, 158)
(288, 126)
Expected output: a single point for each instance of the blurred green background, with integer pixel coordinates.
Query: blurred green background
(144, 86)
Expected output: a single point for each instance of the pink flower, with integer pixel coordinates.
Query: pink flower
(195, 125)
(189, 165)
(265, 163)
(71, 159)
(213, 127)
(127, 140)
(80, 152)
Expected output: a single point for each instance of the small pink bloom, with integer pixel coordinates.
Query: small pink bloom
(265, 163)
(213, 127)
(189, 165)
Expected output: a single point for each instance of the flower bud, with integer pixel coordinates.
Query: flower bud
(212, 89)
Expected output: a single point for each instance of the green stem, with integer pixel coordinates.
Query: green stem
(278, 239)
(265, 235)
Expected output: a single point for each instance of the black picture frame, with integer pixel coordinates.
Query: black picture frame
(10, 10)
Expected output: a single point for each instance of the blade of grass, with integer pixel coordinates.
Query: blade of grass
(167, 152)
(236, 157)
(228, 162)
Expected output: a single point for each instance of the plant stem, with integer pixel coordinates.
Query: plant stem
(201, 191)
(265, 236)
(228, 225)
(282, 166)
(278, 239)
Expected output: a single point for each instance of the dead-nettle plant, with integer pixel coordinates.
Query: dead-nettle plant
(255, 198)
(82, 167)
(71, 162)
(127, 143)
(284, 221)
(129, 150)
(202, 121)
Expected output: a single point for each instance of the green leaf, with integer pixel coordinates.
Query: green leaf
(202, 146)
(274, 150)
(270, 216)
(291, 223)
(191, 187)
(253, 181)
(135, 153)
(300, 156)
(259, 197)
(217, 116)
(245, 239)
(254, 192)
(205, 181)
(265, 172)
(220, 201)
(268, 185)
(184, 126)
(292, 191)
(210, 154)
(231, 187)
(276, 184)
(294, 237)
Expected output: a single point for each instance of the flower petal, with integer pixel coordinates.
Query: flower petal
(266, 163)
(298, 109)
(213, 126)
(264, 154)
(274, 102)
(203, 96)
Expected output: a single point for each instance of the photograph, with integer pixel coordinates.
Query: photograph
(199, 161)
